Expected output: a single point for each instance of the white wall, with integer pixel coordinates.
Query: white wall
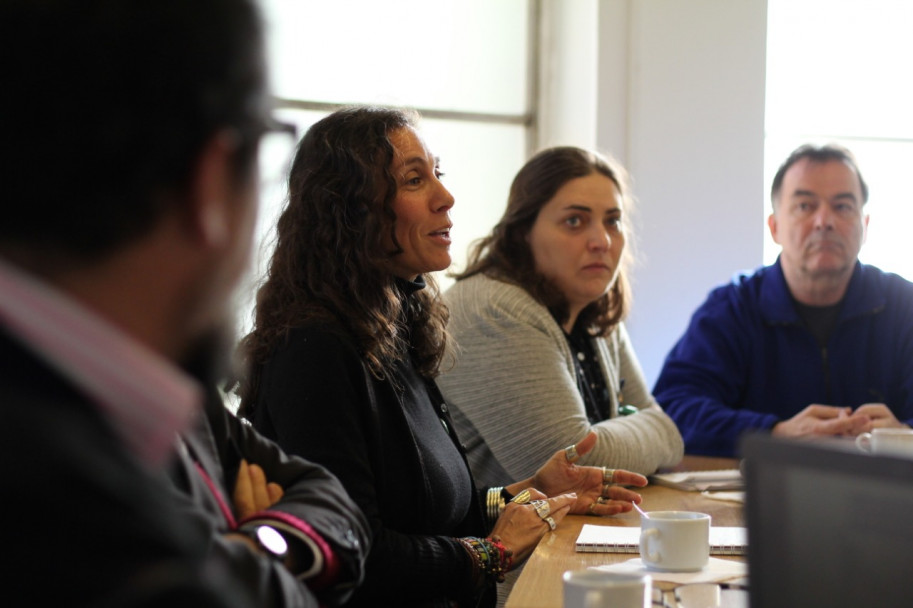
(568, 74)
(681, 105)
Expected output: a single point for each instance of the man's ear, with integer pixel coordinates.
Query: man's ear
(772, 225)
(212, 192)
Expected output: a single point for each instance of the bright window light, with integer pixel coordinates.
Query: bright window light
(838, 71)
(466, 60)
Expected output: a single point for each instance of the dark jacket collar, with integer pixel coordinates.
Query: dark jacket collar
(407, 288)
(864, 295)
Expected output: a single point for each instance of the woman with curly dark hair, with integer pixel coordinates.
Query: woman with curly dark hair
(348, 338)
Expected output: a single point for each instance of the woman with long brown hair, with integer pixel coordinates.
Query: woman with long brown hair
(542, 354)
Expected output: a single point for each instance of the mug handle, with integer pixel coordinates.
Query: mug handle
(645, 544)
(864, 442)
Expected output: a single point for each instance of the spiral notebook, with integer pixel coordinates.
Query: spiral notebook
(724, 540)
(700, 481)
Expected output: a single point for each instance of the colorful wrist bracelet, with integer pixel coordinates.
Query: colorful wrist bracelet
(491, 557)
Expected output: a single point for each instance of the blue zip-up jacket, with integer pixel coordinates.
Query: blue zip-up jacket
(747, 360)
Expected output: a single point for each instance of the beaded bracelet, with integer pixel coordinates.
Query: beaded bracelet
(505, 557)
(491, 558)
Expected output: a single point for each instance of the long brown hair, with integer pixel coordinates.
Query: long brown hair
(331, 260)
(505, 253)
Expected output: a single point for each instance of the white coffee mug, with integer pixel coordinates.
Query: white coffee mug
(601, 589)
(675, 541)
(887, 442)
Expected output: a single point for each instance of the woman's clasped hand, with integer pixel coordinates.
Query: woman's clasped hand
(521, 526)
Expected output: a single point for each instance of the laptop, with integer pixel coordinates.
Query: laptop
(827, 525)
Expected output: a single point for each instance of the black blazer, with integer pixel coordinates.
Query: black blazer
(317, 398)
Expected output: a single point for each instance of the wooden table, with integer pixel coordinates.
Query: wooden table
(540, 584)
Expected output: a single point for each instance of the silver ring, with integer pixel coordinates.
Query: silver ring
(601, 500)
(542, 508)
(591, 509)
(605, 489)
(608, 475)
(522, 498)
(550, 521)
(570, 452)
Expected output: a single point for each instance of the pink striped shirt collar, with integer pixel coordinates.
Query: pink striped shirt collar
(145, 397)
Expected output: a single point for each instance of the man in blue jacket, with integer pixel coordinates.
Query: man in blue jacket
(816, 344)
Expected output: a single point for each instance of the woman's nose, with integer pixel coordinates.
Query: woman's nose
(600, 239)
(443, 200)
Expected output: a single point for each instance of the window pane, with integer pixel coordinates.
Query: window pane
(841, 67)
(466, 55)
(884, 166)
(479, 162)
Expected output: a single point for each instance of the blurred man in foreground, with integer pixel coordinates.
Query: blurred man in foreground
(130, 137)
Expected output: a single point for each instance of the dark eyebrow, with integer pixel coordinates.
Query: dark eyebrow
(842, 196)
(577, 207)
(414, 160)
(419, 160)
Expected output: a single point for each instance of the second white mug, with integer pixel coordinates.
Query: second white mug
(675, 541)
(593, 588)
(887, 442)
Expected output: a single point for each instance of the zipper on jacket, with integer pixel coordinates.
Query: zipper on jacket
(827, 375)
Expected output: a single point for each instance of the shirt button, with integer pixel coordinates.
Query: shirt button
(444, 407)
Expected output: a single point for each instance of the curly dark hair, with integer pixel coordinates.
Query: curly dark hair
(505, 253)
(332, 255)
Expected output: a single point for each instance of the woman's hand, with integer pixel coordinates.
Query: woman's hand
(520, 526)
(594, 486)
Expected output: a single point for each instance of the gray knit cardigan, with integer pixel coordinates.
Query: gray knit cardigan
(510, 381)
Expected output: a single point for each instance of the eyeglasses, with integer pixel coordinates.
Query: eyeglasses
(702, 595)
(277, 126)
(276, 148)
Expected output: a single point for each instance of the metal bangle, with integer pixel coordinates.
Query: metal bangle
(494, 503)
